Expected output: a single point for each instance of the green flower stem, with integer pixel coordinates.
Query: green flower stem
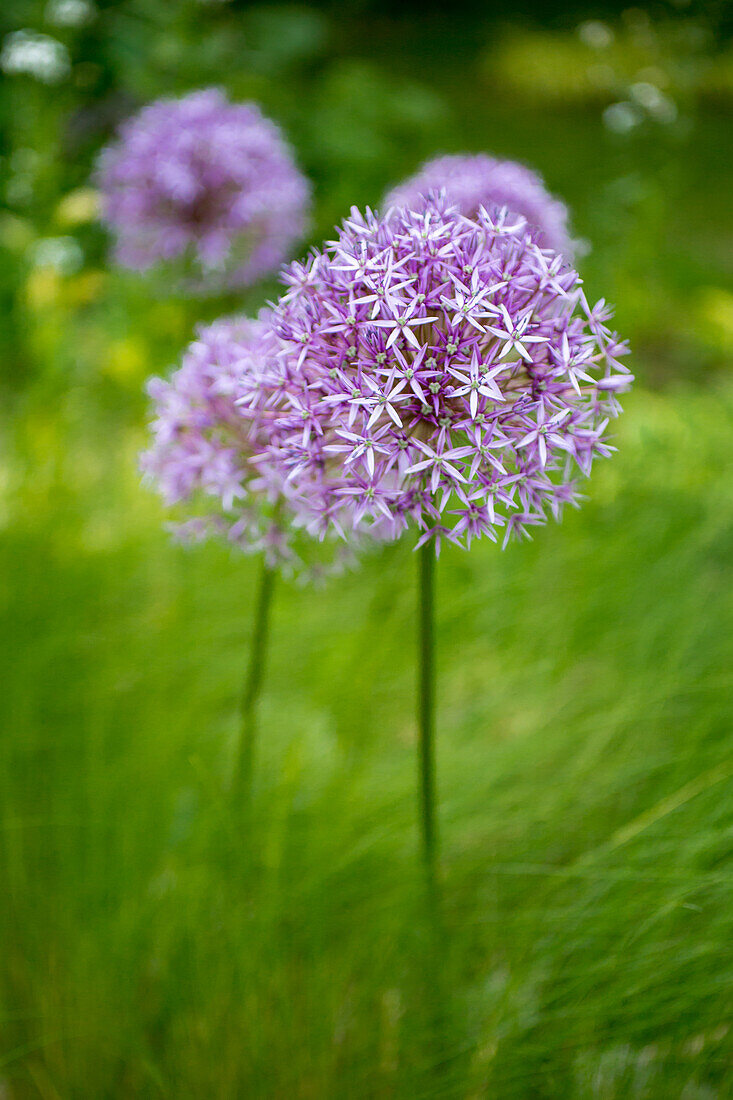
(426, 706)
(252, 686)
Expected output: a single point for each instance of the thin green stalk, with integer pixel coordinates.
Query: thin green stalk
(437, 1059)
(252, 686)
(426, 707)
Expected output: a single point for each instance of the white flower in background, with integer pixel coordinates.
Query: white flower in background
(595, 34)
(645, 101)
(62, 254)
(658, 105)
(69, 13)
(621, 117)
(35, 55)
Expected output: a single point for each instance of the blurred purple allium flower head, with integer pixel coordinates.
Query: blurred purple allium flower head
(439, 369)
(212, 419)
(206, 183)
(477, 180)
(202, 444)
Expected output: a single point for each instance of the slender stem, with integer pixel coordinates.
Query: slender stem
(426, 706)
(253, 681)
(437, 997)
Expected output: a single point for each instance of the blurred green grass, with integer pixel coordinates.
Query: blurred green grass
(585, 758)
(585, 775)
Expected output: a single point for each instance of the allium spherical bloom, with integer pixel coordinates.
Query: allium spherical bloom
(204, 181)
(473, 181)
(203, 442)
(439, 369)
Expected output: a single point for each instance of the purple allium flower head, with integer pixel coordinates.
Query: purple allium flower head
(203, 444)
(473, 181)
(440, 369)
(212, 420)
(203, 181)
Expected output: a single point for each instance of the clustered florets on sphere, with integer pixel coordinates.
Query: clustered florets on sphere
(213, 419)
(473, 181)
(203, 442)
(438, 369)
(205, 182)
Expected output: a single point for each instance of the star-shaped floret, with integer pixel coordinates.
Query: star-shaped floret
(357, 447)
(380, 401)
(369, 494)
(440, 463)
(514, 335)
(412, 371)
(478, 382)
(402, 324)
(547, 431)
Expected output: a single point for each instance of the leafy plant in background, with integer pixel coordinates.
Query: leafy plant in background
(204, 183)
(444, 373)
(642, 68)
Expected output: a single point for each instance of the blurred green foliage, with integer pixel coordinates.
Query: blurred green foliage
(627, 121)
(585, 754)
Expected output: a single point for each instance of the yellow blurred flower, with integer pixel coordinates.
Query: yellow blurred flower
(42, 288)
(126, 360)
(46, 287)
(78, 207)
(542, 66)
(715, 317)
(84, 288)
(16, 233)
